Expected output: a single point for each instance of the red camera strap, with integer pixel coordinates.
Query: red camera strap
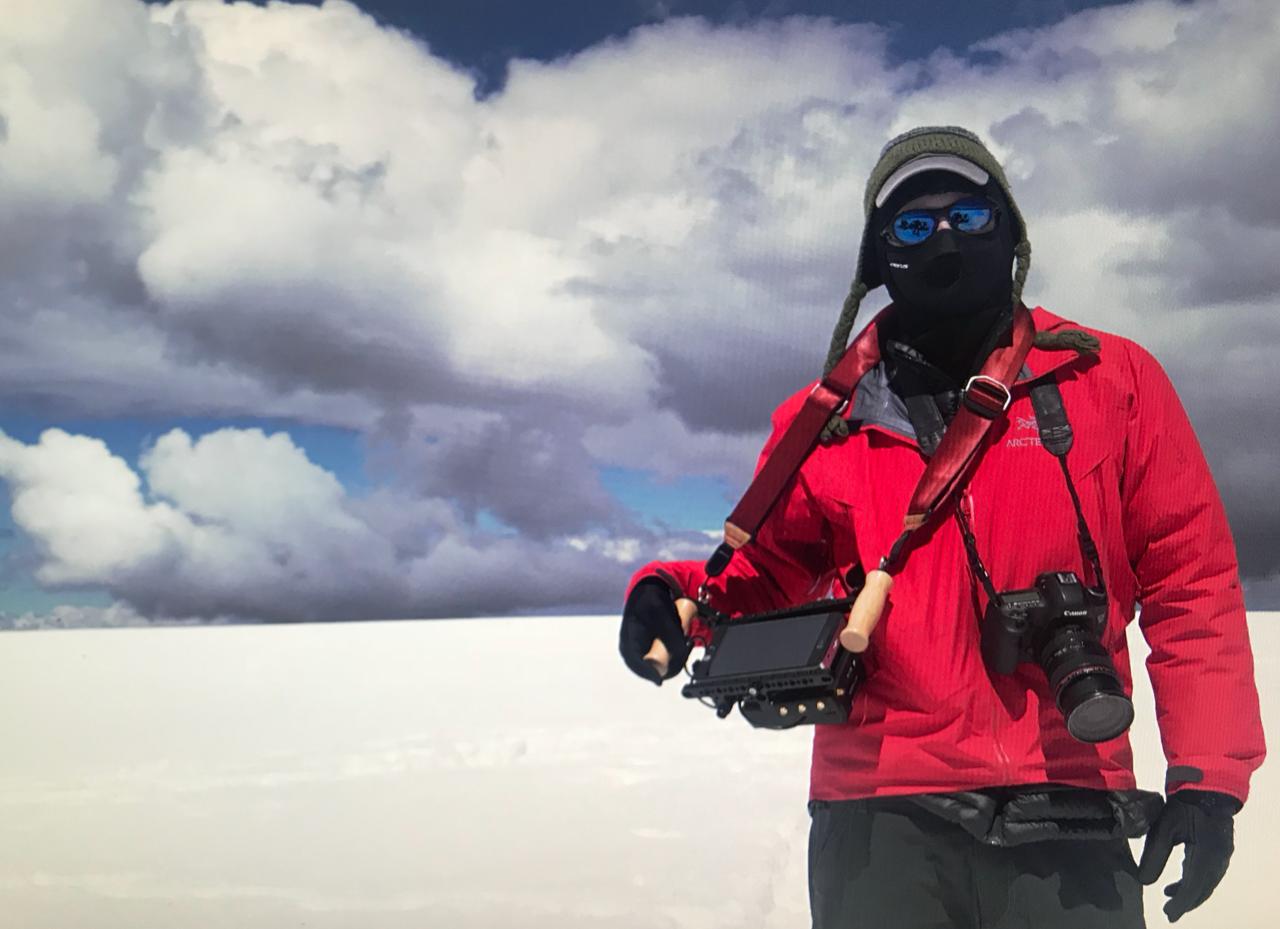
(827, 397)
(985, 398)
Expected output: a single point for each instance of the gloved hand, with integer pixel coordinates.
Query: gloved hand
(1202, 819)
(650, 613)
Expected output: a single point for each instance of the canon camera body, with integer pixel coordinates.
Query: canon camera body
(1058, 625)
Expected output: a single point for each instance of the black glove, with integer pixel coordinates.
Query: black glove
(1202, 820)
(650, 614)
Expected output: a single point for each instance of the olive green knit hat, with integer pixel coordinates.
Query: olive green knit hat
(894, 164)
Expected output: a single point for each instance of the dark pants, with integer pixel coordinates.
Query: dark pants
(886, 862)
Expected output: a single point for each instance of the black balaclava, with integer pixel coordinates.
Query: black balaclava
(953, 291)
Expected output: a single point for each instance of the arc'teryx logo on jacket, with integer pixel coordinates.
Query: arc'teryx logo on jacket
(1027, 434)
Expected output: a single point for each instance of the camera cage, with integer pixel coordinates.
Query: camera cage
(780, 673)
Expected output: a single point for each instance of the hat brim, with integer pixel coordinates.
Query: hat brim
(953, 163)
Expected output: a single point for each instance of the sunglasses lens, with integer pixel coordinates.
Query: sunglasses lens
(969, 217)
(913, 227)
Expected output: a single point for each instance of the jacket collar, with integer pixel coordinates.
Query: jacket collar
(876, 406)
(1041, 361)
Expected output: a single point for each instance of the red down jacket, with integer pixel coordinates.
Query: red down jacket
(929, 718)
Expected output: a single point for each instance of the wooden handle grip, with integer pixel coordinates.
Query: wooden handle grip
(866, 611)
(658, 656)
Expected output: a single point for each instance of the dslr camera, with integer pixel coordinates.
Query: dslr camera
(1058, 625)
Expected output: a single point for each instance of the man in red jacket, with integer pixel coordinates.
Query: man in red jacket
(956, 794)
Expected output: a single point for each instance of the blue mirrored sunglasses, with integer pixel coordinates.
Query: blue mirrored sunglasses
(972, 216)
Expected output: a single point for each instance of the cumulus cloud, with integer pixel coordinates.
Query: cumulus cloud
(238, 524)
(626, 257)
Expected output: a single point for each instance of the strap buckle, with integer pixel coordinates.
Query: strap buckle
(830, 392)
(986, 396)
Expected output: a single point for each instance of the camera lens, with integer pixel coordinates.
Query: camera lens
(1095, 708)
(1085, 685)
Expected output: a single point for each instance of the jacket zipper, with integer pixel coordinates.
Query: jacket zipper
(1002, 759)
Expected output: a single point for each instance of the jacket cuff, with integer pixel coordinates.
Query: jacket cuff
(1184, 777)
(658, 573)
(1210, 801)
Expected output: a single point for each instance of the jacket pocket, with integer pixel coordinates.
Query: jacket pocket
(846, 516)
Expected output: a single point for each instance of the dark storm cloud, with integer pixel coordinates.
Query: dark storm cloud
(1214, 255)
(463, 574)
(699, 392)
(1226, 381)
(532, 474)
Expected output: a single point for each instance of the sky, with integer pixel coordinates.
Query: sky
(326, 312)
(484, 35)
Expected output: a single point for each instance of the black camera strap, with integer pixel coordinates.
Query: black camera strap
(1056, 438)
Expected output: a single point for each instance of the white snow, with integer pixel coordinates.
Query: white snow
(469, 773)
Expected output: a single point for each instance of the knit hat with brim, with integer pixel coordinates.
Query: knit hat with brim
(927, 148)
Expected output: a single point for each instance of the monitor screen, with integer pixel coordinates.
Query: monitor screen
(751, 647)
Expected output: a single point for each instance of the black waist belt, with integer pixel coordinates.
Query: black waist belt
(1037, 813)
